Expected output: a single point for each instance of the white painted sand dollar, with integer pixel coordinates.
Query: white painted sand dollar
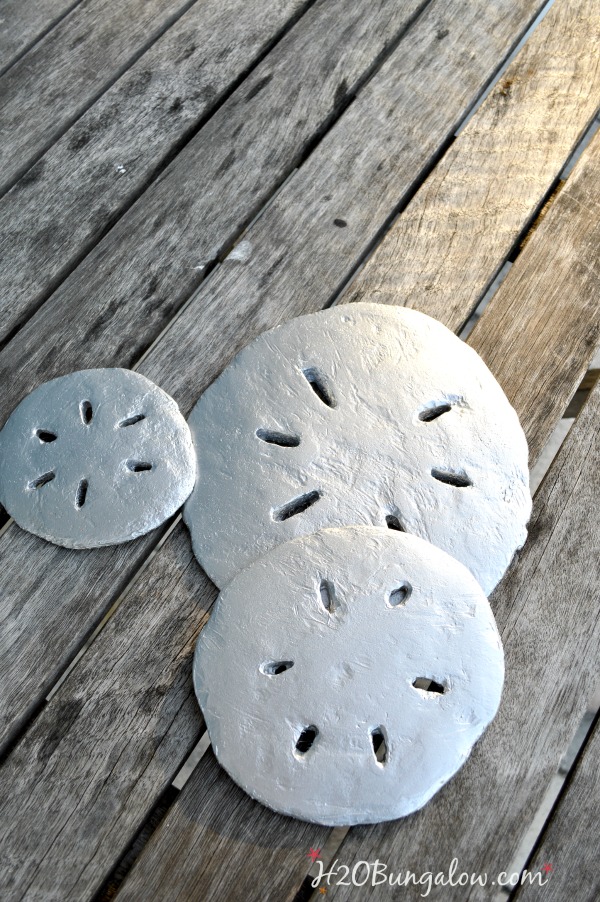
(345, 676)
(95, 458)
(361, 414)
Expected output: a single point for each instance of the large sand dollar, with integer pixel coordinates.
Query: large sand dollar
(95, 458)
(361, 414)
(345, 676)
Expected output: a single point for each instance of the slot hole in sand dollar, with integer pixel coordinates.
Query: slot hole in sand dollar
(327, 595)
(320, 385)
(393, 522)
(45, 436)
(131, 421)
(81, 494)
(86, 412)
(284, 439)
(42, 480)
(274, 668)
(306, 740)
(426, 684)
(296, 506)
(138, 466)
(432, 413)
(400, 596)
(451, 477)
(380, 749)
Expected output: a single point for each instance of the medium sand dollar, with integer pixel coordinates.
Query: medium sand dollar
(361, 414)
(95, 458)
(345, 676)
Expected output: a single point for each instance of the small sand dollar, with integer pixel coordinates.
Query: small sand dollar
(345, 676)
(95, 458)
(361, 414)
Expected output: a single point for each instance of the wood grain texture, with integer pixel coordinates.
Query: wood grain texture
(475, 817)
(106, 313)
(568, 842)
(55, 82)
(208, 332)
(58, 210)
(217, 328)
(493, 177)
(127, 289)
(554, 288)
(227, 848)
(23, 23)
(547, 606)
(139, 692)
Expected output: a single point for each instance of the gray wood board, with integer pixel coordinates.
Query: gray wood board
(55, 82)
(152, 728)
(130, 285)
(224, 820)
(467, 814)
(23, 23)
(202, 336)
(568, 843)
(108, 311)
(59, 209)
(518, 138)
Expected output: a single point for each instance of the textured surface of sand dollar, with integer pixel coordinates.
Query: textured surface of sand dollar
(95, 458)
(361, 414)
(345, 676)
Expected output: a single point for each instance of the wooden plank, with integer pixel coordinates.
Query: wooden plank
(208, 332)
(122, 293)
(568, 842)
(112, 305)
(58, 210)
(61, 76)
(22, 24)
(518, 137)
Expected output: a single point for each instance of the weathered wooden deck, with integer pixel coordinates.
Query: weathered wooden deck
(178, 176)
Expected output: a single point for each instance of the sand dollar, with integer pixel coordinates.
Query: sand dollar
(345, 676)
(95, 458)
(361, 414)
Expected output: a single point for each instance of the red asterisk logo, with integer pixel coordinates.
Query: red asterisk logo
(313, 854)
(547, 868)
